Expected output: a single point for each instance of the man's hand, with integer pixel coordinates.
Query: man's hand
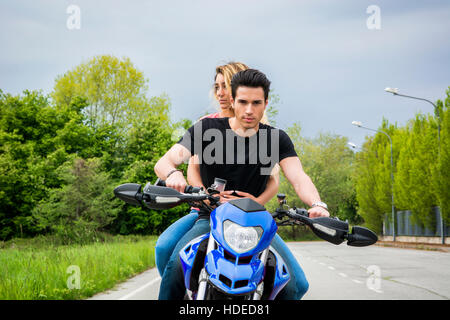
(318, 212)
(176, 181)
(226, 196)
(247, 195)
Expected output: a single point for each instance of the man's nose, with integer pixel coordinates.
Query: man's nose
(248, 109)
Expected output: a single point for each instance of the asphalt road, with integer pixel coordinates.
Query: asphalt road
(341, 273)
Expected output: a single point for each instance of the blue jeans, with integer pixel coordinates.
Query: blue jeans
(170, 237)
(172, 283)
(298, 285)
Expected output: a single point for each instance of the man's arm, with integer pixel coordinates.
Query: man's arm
(169, 162)
(303, 185)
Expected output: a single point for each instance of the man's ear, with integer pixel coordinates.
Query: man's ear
(265, 105)
(232, 102)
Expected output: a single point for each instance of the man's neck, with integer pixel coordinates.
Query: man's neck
(240, 130)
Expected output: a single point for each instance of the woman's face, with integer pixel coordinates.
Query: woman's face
(223, 96)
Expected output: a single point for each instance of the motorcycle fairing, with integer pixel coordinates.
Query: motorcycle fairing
(231, 272)
(276, 270)
(187, 258)
(231, 212)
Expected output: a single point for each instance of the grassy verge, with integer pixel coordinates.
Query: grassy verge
(33, 270)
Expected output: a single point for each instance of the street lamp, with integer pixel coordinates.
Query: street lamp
(353, 146)
(394, 91)
(359, 124)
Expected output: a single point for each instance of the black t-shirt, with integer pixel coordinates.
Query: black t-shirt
(244, 162)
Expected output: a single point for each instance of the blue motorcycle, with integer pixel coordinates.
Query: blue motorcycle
(235, 261)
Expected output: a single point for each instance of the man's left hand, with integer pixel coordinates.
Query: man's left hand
(317, 212)
(248, 195)
(226, 196)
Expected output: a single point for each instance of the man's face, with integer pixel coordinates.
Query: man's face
(249, 106)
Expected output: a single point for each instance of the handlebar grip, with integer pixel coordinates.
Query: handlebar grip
(298, 214)
(302, 211)
(188, 189)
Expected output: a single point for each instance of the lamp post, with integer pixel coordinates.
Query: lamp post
(359, 124)
(394, 91)
(354, 147)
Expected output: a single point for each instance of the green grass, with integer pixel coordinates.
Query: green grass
(30, 269)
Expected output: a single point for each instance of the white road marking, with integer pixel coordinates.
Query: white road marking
(331, 268)
(357, 281)
(342, 275)
(141, 288)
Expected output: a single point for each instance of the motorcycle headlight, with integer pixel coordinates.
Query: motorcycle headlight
(241, 239)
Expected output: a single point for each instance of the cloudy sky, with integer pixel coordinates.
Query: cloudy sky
(329, 61)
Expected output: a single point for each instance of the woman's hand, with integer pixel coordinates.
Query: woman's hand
(176, 181)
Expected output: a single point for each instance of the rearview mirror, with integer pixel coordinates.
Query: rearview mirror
(361, 237)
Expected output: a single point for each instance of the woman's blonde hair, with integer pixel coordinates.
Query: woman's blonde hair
(228, 71)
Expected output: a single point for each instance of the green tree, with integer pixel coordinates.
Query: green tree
(272, 108)
(328, 161)
(422, 153)
(442, 174)
(82, 207)
(147, 142)
(115, 91)
(421, 174)
(373, 176)
(365, 177)
(28, 127)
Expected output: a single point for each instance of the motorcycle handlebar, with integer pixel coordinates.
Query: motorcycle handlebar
(297, 213)
(187, 189)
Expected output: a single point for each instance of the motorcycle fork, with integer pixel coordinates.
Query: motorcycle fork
(260, 288)
(203, 278)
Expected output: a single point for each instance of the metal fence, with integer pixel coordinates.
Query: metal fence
(405, 227)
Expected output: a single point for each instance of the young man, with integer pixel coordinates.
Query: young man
(242, 151)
